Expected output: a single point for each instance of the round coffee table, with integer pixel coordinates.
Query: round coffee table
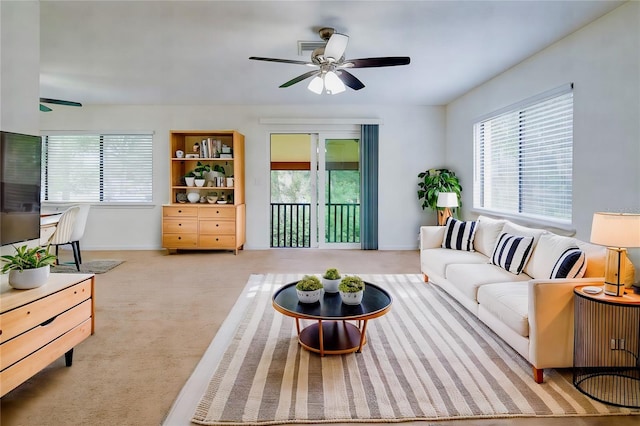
(331, 333)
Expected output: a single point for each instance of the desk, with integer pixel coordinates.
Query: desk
(48, 223)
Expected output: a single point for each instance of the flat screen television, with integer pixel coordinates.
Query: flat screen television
(19, 187)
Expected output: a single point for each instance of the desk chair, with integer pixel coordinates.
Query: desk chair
(78, 229)
(62, 234)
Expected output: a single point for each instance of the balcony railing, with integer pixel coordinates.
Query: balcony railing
(291, 224)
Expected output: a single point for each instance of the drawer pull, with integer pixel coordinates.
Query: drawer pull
(217, 225)
(179, 224)
(179, 211)
(179, 238)
(47, 322)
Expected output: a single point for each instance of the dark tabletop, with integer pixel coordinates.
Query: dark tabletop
(330, 306)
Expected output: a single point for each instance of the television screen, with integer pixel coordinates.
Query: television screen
(19, 187)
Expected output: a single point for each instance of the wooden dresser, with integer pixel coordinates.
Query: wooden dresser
(38, 326)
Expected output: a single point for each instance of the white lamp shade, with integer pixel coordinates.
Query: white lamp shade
(616, 229)
(447, 199)
(316, 85)
(333, 84)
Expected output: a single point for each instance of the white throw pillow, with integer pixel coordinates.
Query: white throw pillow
(549, 250)
(458, 235)
(512, 252)
(487, 231)
(571, 264)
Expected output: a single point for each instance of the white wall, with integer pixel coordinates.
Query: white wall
(603, 61)
(411, 140)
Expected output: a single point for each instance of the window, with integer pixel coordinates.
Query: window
(523, 159)
(97, 168)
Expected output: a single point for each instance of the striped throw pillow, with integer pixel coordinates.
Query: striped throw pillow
(512, 252)
(571, 264)
(458, 235)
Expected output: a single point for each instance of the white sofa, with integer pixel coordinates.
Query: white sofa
(530, 311)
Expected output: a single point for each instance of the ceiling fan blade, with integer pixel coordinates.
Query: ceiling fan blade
(336, 46)
(59, 102)
(349, 80)
(284, 61)
(300, 78)
(390, 61)
(45, 108)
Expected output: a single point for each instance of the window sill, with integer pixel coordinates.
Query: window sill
(556, 227)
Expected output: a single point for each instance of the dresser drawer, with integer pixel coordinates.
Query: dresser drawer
(179, 211)
(186, 226)
(217, 227)
(26, 343)
(218, 241)
(217, 212)
(180, 240)
(14, 375)
(26, 317)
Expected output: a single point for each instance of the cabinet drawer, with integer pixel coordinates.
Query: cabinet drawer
(180, 211)
(26, 343)
(180, 240)
(217, 227)
(22, 370)
(217, 241)
(26, 317)
(218, 213)
(186, 226)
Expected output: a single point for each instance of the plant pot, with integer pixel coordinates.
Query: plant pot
(229, 181)
(29, 278)
(331, 286)
(190, 181)
(199, 181)
(309, 296)
(354, 298)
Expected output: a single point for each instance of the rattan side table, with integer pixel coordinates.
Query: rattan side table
(606, 351)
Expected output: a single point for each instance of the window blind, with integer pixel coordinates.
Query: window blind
(523, 159)
(97, 168)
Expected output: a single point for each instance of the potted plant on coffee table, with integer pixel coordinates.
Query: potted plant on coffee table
(309, 289)
(351, 290)
(28, 267)
(331, 280)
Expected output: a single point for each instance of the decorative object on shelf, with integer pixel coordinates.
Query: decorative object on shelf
(189, 179)
(199, 181)
(193, 197)
(331, 280)
(181, 197)
(179, 153)
(432, 183)
(212, 198)
(201, 170)
(351, 290)
(309, 289)
(617, 231)
(446, 200)
(28, 267)
(229, 182)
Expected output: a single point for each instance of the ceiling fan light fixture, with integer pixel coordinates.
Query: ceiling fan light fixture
(316, 85)
(333, 84)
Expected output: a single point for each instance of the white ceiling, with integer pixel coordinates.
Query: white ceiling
(196, 52)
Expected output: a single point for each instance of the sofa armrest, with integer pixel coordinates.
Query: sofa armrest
(551, 320)
(431, 237)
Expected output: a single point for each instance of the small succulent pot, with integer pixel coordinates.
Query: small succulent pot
(331, 280)
(351, 290)
(309, 289)
(29, 278)
(189, 180)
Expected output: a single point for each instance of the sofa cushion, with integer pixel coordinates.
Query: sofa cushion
(509, 303)
(556, 256)
(437, 259)
(487, 232)
(458, 235)
(512, 252)
(468, 277)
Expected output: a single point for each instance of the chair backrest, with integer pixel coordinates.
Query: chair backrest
(64, 228)
(81, 222)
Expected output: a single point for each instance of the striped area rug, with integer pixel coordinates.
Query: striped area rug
(427, 359)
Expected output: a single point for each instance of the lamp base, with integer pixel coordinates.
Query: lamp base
(614, 271)
(443, 214)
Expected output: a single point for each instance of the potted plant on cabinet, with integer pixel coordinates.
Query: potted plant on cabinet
(331, 280)
(309, 289)
(434, 181)
(28, 267)
(351, 290)
(189, 179)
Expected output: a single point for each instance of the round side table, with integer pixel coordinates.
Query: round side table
(606, 351)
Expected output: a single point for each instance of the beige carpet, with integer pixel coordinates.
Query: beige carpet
(427, 359)
(91, 267)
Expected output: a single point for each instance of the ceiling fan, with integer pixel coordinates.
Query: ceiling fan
(331, 74)
(45, 108)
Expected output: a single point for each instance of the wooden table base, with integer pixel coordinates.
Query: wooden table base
(333, 338)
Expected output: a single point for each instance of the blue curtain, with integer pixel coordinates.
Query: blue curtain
(369, 186)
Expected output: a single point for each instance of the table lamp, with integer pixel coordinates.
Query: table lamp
(617, 231)
(445, 201)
